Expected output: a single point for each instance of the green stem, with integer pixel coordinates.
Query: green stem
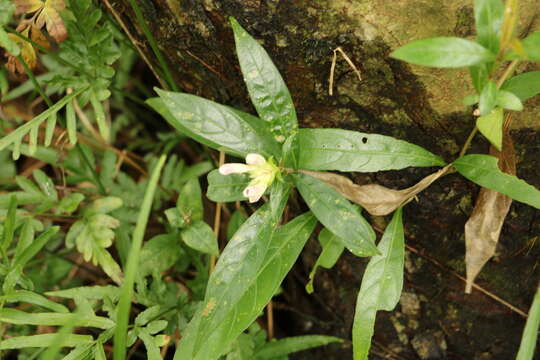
(124, 303)
(509, 70)
(468, 142)
(153, 44)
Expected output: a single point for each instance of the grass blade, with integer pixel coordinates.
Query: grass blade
(124, 304)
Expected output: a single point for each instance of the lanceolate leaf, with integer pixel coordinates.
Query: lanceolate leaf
(531, 44)
(44, 340)
(491, 126)
(381, 285)
(524, 86)
(283, 347)
(344, 150)
(33, 298)
(238, 266)
(530, 333)
(332, 248)
(488, 16)
(483, 170)
(266, 87)
(488, 98)
(13, 316)
(338, 215)
(444, 52)
(215, 125)
(283, 250)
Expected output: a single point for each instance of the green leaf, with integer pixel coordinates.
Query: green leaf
(44, 340)
(283, 248)
(470, 99)
(381, 285)
(217, 126)
(236, 271)
(99, 351)
(152, 350)
(491, 126)
(266, 87)
(508, 100)
(235, 222)
(159, 254)
(344, 150)
(524, 86)
(226, 188)
(124, 303)
(444, 52)
(530, 333)
(88, 292)
(531, 44)
(45, 184)
(488, 98)
(338, 215)
(13, 316)
(291, 151)
(33, 298)
(332, 248)
(200, 236)
(31, 251)
(484, 171)
(9, 224)
(283, 347)
(488, 16)
(479, 76)
(21, 131)
(189, 202)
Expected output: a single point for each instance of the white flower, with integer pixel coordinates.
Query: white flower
(262, 174)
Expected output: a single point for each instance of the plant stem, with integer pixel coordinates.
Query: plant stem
(153, 44)
(509, 70)
(468, 142)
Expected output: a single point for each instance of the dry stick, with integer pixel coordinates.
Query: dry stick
(217, 218)
(333, 68)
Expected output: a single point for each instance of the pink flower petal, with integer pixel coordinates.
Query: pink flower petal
(233, 168)
(255, 159)
(254, 192)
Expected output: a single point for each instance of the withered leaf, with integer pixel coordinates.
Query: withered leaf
(50, 17)
(483, 228)
(376, 199)
(27, 6)
(28, 54)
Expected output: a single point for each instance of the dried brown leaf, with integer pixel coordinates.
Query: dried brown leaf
(483, 228)
(50, 17)
(376, 199)
(28, 54)
(27, 6)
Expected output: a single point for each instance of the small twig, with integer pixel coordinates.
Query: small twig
(217, 218)
(86, 122)
(509, 70)
(333, 67)
(478, 287)
(270, 319)
(468, 141)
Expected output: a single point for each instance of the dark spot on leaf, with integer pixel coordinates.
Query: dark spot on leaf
(364, 140)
